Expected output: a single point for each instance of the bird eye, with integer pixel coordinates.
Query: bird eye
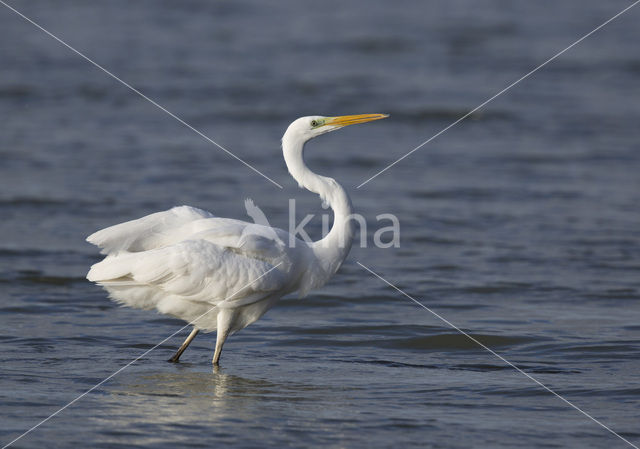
(314, 123)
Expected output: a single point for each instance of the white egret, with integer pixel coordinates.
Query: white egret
(208, 271)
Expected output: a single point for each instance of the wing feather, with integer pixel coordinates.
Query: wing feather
(197, 270)
(146, 232)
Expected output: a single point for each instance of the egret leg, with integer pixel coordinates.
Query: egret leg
(224, 325)
(219, 342)
(186, 343)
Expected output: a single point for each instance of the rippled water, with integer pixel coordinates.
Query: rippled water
(520, 225)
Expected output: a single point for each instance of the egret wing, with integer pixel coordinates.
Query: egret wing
(196, 270)
(148, 232)
(186, 223)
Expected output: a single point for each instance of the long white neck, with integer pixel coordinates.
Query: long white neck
(333, 248)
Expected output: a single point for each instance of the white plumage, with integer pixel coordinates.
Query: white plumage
(219, 273)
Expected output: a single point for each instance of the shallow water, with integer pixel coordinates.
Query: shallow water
(520, 225)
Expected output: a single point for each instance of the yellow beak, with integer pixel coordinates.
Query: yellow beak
(346, 120)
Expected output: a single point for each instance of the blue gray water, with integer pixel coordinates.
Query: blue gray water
(521, 225)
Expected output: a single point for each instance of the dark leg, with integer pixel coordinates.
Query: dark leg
(177, 355)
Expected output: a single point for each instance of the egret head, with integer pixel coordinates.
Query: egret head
(306, 128)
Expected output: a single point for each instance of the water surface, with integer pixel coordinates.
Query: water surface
(520, 225)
